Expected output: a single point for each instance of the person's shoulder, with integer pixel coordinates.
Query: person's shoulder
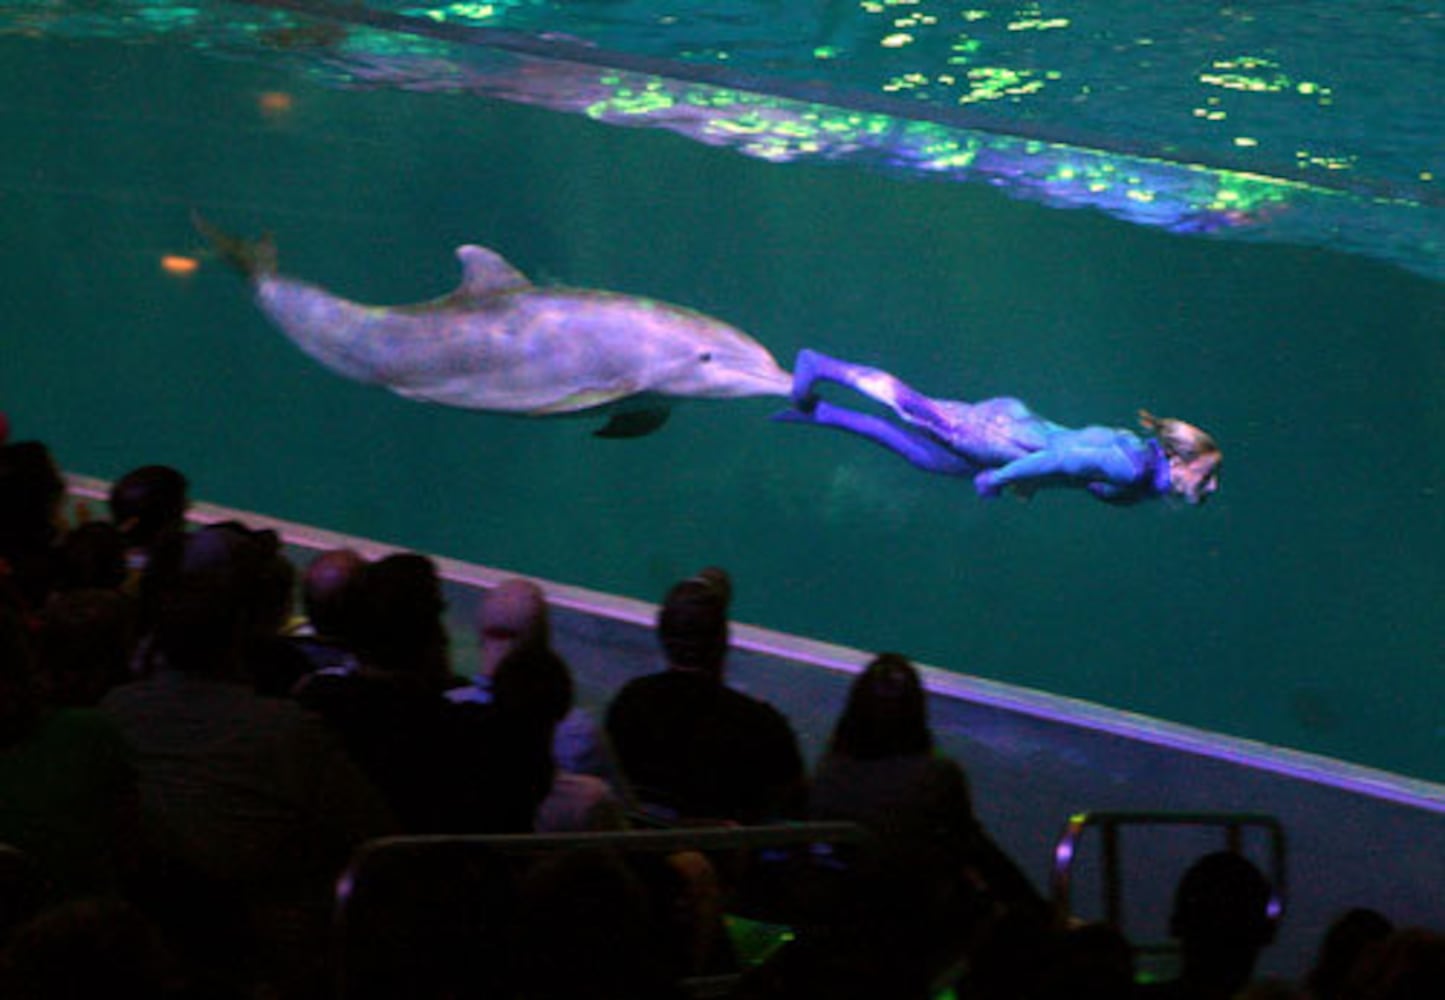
(944, 775)
(128, 690)
(583, 787)
(896, 771)
(941, 765)
(640, 690)
(135, 696)
(326, 690)
(579, 724)
(579, 802)
(467, 714)
(467, 694)
(751, 705)
(323, 654)
(657, 680)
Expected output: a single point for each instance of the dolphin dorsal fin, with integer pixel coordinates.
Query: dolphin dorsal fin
(486, 272)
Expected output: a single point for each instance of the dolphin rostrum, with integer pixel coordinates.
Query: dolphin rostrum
(500, 343)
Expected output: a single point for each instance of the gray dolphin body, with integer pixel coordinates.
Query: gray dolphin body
(500, 343)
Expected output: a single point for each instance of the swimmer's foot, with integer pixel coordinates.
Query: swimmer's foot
(805, 373)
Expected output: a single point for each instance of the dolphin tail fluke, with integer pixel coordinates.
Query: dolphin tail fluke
(253, 258)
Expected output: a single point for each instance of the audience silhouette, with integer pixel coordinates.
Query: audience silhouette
(942, 875)
(512, 614)
(183, 777)
(32, 494)
(532, 687)
(692, 747)
(67, 785)
(588, 927)
(148, 507)
(92, 555)
(84, 645)
(1351, 936)
(148, 510)
(249, 804)
(399, 727)
(325, 595)
(1408, 964)
(1222, 921)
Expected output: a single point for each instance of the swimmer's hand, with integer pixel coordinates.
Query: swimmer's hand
(986, 484)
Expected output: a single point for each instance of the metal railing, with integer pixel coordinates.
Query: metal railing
(1231, 825)
(408, 883)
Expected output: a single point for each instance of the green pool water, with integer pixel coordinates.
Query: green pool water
(1302, 606)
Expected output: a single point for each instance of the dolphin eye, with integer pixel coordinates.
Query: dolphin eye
(705, 356)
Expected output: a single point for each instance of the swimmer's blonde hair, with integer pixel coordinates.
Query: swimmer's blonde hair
(1181, 440)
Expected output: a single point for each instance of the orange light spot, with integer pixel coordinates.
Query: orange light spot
(179, 265)
(274, 103)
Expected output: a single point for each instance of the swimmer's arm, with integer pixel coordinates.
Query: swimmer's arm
(1105, 471)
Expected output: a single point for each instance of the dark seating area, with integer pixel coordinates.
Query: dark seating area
(235, 767)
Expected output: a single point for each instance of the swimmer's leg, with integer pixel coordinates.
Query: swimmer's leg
(910, 404)
(918, 448)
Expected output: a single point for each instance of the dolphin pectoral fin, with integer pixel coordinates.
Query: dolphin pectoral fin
(634, 423)
(582, 399)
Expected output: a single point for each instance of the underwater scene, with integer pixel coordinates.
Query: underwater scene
(1228, 214)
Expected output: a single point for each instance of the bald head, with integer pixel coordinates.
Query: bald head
(513, 611)
(324, 586)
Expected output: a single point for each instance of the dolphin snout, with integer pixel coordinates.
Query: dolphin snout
(764, 377)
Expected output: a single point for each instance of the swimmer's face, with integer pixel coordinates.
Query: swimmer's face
(1195, 479)
(1194, 457)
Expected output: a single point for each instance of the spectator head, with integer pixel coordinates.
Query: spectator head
(587, 927)
(324, 589)
(227, 547)
(1409, 964)
(31, 494)
(1224, 897)
(396, 617)
(692, 624)
(886, 714)
(254, 565)
(1353, 934)
(85, 644)
(199, 624)
(533, 683)
(93, 555)
(148, 503)
(510, 615)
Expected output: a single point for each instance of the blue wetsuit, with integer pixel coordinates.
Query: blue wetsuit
(998, 443)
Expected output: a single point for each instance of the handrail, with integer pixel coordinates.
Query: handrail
(348, 910)
(663, 841)
(1066, 852)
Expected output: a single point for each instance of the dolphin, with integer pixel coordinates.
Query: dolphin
(500, 343)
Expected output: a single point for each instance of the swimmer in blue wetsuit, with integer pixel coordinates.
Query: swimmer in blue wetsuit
(1002, 444)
